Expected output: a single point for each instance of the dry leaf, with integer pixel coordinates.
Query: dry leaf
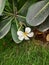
(47, 37)
(43, 36)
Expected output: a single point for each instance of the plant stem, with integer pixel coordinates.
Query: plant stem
(13, 6)
(21, 16)
(8, 13)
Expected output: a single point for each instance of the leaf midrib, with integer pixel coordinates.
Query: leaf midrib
(6, 25)
(40, 11)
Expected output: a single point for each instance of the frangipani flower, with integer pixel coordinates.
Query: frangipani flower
(25, 35)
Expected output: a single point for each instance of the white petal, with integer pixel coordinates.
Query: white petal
(26, 38)
(27, 29)
(19, 33)
(30, 34)
(21, 38)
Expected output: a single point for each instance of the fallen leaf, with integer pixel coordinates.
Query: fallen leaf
(47, 37)
(42, 36)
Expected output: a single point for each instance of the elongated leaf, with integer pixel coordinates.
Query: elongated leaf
(5, 27)
(14, 33)
(2, 4)
(8, 6)
(16, 5)
(44, 26)
(37, 13)
(20, 3)
(23, 10)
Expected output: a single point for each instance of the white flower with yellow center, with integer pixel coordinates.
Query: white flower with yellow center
(25, 35)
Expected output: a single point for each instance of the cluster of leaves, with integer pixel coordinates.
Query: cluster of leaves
(16, 15)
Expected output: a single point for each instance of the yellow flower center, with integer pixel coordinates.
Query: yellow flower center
(25, 34)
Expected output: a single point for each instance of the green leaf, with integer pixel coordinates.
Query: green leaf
(21, 18)
(37, 13)
(8, 6)
(14, 32)
(5, 27)
(19, 3)
(44, 26)
(23, 10)
(2, 4)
